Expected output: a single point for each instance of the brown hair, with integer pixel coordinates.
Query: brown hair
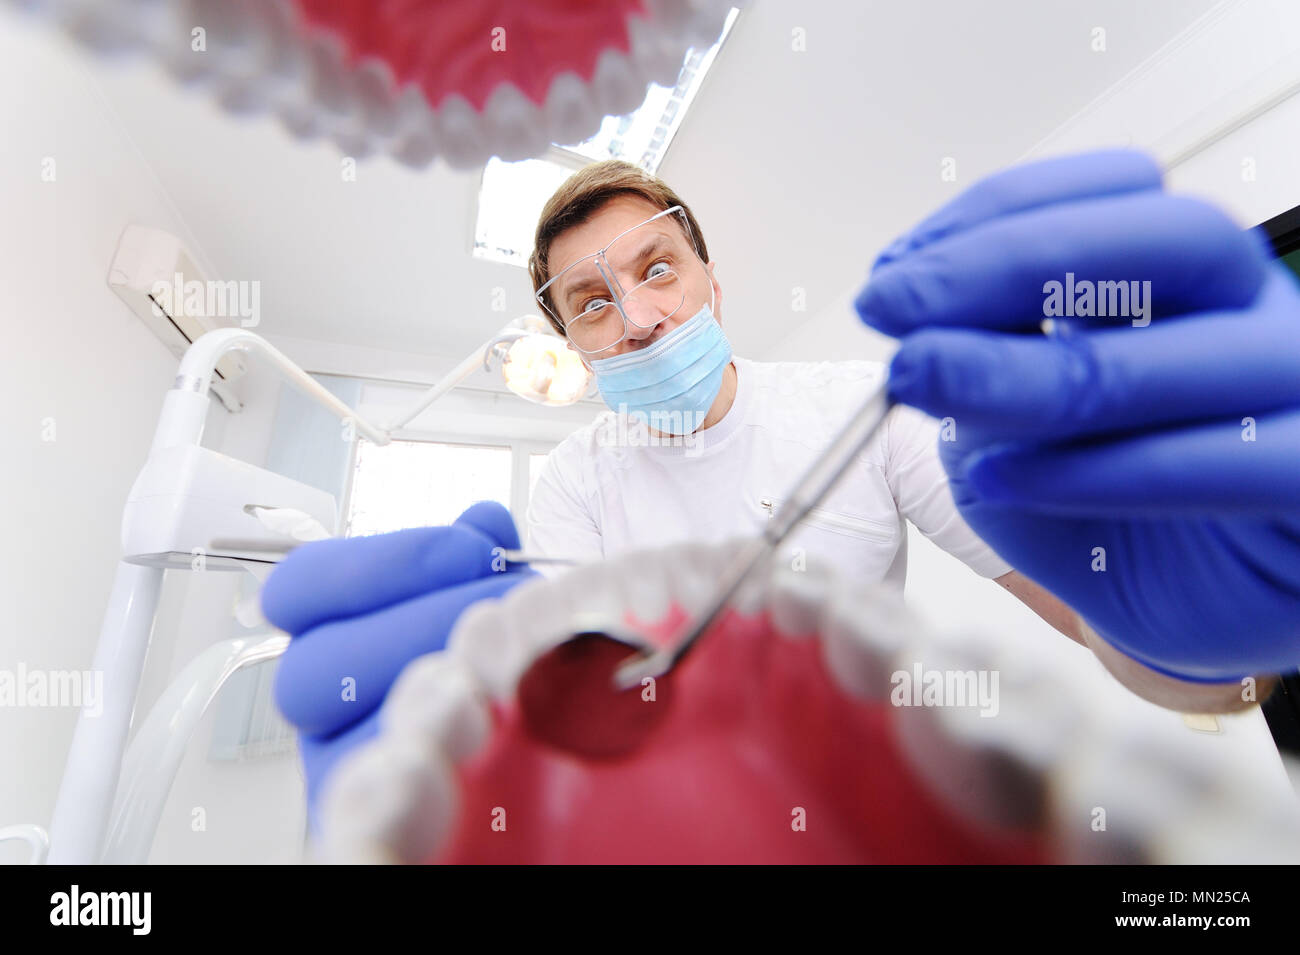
(578, 199)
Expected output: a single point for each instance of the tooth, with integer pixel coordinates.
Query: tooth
(105, 28)
(482, 639)
(349, 121)
(285, 68)
(1115, 796)
(1225, 833)
(390, 798)
(570, 115)
(644, 585)
(353, 144)
(234, 36)
(377, 97)
(593, 588)
(300, 120)
(241, 96)
(862, 631)
(173, 43)
(991, 764)
(435, 700)
(460, 131)
(416, 139)
(752, 596)
(693, 575)
(705, 22)
(512, 125)
(658, 56)
(615, 84)
(1169, 796)
(669, 14)
(537, 616)
(797, 598)
(331, 91)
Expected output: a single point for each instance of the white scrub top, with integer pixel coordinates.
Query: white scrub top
(611, 486)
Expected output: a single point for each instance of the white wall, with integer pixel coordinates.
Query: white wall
(1218, 106)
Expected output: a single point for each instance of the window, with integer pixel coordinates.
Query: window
(512, 194)
(510, 203)
(423, 483)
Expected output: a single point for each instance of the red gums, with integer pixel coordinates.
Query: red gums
(456, 47)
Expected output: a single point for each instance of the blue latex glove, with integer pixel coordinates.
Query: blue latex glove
(361, 608)
(1115, 436)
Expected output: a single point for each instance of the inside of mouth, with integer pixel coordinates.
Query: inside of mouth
(567, 699)
(755, 756)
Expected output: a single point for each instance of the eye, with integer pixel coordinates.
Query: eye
(592, 305)
(657, 269)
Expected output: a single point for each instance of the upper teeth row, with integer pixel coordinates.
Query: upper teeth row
(259, 58)
(1047, 757)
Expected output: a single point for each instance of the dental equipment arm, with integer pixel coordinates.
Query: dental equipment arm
(159, 746)
(90, 780)
(184, 426)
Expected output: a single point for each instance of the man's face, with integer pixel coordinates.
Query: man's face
(636, 257)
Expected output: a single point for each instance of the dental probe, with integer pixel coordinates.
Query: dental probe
(282, 549)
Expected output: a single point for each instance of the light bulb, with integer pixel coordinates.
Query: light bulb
(541, 368)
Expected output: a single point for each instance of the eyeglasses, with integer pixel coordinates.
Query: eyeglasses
(635, 280)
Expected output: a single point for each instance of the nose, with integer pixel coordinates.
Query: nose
(642, 317)
(639, 337)
(638, 333)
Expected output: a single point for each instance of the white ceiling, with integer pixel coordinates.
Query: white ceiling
(799, 166)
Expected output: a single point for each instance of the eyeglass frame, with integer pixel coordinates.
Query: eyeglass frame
(611, 279)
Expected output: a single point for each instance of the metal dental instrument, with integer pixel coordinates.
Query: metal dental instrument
(225, 544)
(583, 695)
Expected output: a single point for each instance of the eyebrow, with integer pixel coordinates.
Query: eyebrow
(652, 245)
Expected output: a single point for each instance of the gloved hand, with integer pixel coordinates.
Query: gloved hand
(360, 609)
(1147, 474)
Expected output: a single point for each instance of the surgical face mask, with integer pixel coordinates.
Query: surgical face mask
(673, 382)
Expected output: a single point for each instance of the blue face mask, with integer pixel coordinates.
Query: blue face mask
(673, 382)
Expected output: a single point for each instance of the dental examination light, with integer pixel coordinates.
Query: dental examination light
(535, 362)
(538, 365)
